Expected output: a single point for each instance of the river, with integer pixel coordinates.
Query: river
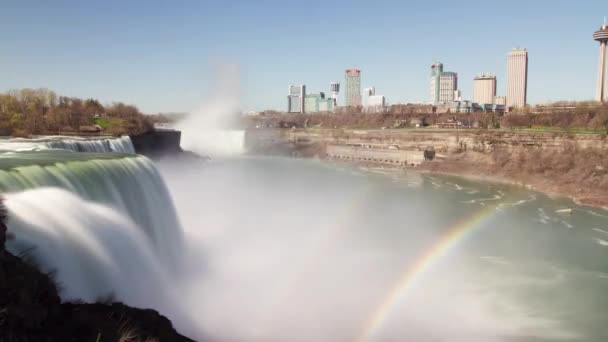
(275, 249)
(332, 252)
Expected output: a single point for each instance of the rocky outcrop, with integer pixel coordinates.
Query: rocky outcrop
(157, 142)
(31, 310)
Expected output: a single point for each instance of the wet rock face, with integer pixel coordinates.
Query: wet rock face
(2, 226)
(2, 237)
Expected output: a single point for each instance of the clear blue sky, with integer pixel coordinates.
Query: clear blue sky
(158, 55)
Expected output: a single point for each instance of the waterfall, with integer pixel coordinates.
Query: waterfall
(214, 142)
(97, 250)
(75, 144)
(122, 144)
(128, 184)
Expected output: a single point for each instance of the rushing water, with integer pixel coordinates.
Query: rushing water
(293, 250)
(75, 144)
(129, 184)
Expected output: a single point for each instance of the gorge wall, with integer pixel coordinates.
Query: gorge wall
(569, 164)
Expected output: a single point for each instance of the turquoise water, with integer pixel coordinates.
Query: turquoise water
(298, 250)
(313, 250)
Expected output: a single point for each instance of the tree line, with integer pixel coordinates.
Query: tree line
(25, 112)
(564, 116)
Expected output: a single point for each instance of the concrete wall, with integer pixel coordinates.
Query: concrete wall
(375, 155)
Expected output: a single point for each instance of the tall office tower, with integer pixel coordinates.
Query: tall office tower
(295, 99)
(484, 88)
(353, 87)
(443, 84)
(601, 36)
(517, 78)
(335, 90)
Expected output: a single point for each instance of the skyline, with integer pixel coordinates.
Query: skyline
(160, 57)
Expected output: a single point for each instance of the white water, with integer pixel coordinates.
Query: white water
(130, 185)
(75, 144)
(210, 129)
(97, 249)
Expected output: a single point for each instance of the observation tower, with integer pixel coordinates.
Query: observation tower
(601, 36)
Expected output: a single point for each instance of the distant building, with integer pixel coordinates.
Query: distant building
(316, 102)
(484, 88)
(353, 87)
(376, 101)
(371, 101)
(457, 95)
(335, 90)
(601, 36)
(517, 78)
(443, 84)
(295, 99)
(367, 93)
(500, 100)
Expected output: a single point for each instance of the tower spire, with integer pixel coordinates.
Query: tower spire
(601, 36)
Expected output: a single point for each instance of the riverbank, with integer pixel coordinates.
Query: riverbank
(552, 185)
(569, 165)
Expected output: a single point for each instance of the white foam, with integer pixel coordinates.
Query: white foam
(601, 242)
(600, 230)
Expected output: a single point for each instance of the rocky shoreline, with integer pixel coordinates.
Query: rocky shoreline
(568, 165)
(579, 196)
(31, 309)
(553, 183)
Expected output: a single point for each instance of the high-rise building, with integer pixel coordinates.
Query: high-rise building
(367, 93)
(517, 78)
(601, 36)
(316, 102)
(295, 99)
(443, 84)
(371, 101)
(335, 90)
(484, 88)
(353, 87)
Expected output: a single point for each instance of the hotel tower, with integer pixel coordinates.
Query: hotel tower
(517, 78)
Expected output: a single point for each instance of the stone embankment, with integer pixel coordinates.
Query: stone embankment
(574, 165)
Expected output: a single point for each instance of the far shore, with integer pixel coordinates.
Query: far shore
(552, 191)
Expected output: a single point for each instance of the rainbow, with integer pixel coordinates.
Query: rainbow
(447, 242)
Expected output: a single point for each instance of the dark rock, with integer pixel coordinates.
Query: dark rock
(157, 143)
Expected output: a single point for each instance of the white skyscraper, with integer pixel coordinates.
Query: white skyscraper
(367, 93)
(295, 99)
(484, 89)
(335, 89)
(517, 78)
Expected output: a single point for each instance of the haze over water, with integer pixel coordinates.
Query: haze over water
(298, 250)
(266, 249)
